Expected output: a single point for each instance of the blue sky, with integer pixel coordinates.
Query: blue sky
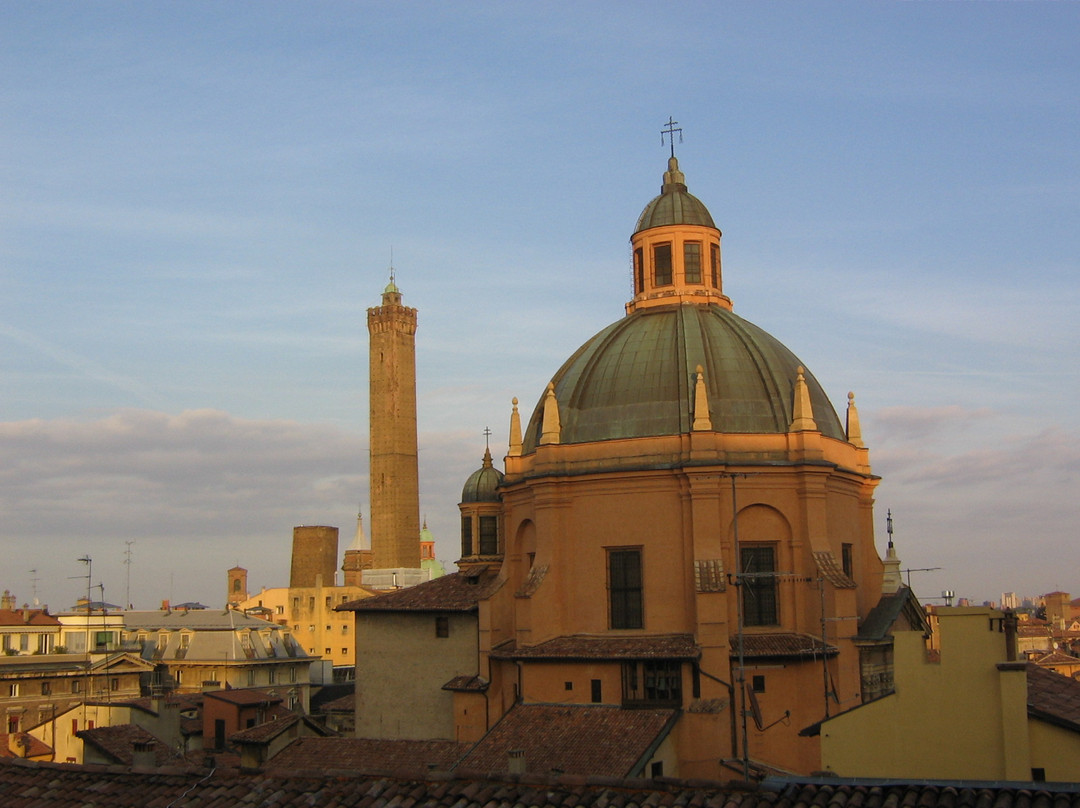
(200, 201)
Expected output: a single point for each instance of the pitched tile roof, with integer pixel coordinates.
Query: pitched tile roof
(1057, 658)
(117, 742)
(343, 704)
(831, 570)
(243, 696)
(467, 684)
(571, 739)
(887, 611)
(1053, 697)
(266, 731)
(367, 755)
(781, 644)
(30, 783)
(33, 746)
(28, 617)
(457, 592)
(669, 646)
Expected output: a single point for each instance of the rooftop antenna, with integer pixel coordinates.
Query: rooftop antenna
(670, 128)
(127, 563)
(33, 586)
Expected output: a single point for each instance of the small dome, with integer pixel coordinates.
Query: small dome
(483, 484)
(674, 205)
(635, 379)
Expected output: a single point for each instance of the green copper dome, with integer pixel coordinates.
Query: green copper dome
(483, 484)
(674, 205)
(636, 379)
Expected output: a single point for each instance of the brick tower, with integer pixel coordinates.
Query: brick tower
(395, 486)
(314, 556)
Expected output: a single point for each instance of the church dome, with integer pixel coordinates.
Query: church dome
(483, 484)
(636, 378)
(674, 205)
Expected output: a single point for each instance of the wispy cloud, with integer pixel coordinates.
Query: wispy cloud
(83, 366)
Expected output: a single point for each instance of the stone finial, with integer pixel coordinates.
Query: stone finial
(854, 431)
(515, 430)
(803, 413)
(702, 422)
(552, 427)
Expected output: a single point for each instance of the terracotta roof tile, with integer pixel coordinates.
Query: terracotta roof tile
(243, 696)
(265, 731)
(117, 742)
(367, 755)
(25, 783)
(1057, 658)
(33, 747)
(343, 704)
(781, 644)
(571, 739)
(467, 684)
(457, 592)
(1053, 697)
(30, 617)
(671, 646)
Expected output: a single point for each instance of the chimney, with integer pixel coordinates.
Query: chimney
(516, 761)
(142, 756)
(1009, 624)
(165, 606)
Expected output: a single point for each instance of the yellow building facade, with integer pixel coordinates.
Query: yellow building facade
(962, 710)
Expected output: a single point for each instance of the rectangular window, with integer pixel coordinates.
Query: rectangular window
(442, 626)
(568, 685)
(271, 675)
(759, 595)
(344, 651)
(13, 690)
(76, 686)
(279, 610)
(311, 603)
(846, 558)
(639, 271)
(652, 683)
(597, 691)
(656, 769)
(46, 688)
(662, 265)
(114, 683)
(345, 628)
(624, 588)
(296, 604)
(466, 536)
(692, 261)
(24, 642)
(714, 264)
(757, 683)
(489, 535)
(328, 601)
(74, 725)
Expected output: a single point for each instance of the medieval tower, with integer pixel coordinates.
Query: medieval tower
(395, 487)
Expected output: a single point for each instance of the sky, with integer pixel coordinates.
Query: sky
(200, 200)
